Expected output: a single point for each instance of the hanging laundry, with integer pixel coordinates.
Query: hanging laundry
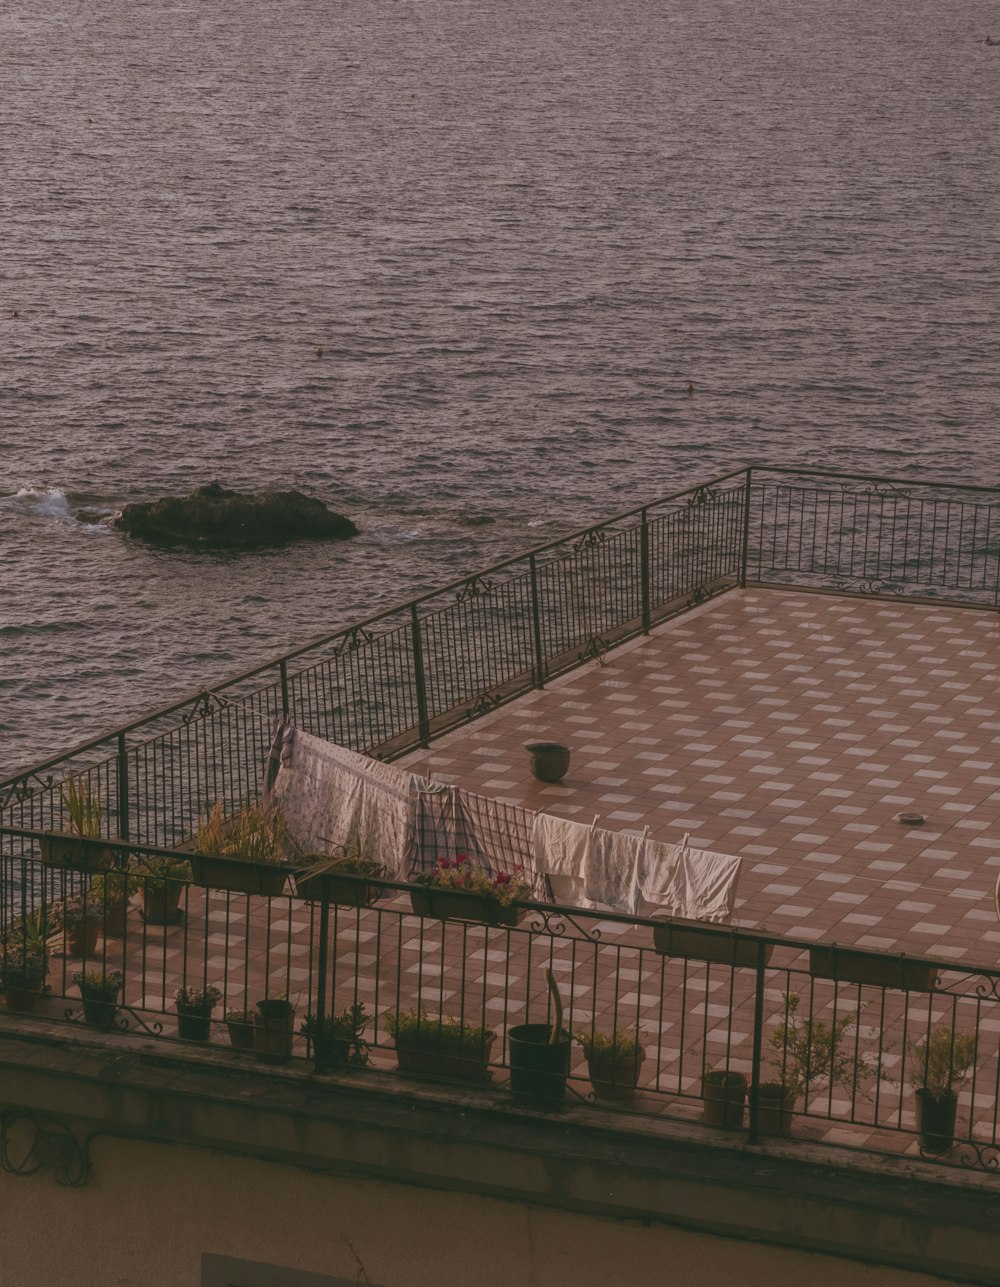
(332, 797)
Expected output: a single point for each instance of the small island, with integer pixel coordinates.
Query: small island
(214, 518)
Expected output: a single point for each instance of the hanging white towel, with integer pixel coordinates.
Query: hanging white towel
(612, 869)
(676, 880)
(332, 796)
(562, 852)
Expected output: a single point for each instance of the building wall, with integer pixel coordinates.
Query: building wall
(150, 1211)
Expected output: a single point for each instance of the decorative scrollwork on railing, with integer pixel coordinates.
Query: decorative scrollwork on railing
(556, 922)
(701, 496)
(23, 788)
(31, 1141)
(868, 585)
(353, 640)
(986, 988)
(700, 594)
(122, 1022)
(205, 704)
(595, 649)
(873, 487)
(974, 1157)
(596, 536)
(483, 704)
(477, 587)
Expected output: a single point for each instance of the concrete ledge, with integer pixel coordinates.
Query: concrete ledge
(884, 1211)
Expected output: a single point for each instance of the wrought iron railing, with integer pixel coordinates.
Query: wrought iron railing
(848, 1035)
(398, 680)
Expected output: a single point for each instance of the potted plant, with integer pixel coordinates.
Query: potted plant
(937, 1065)
(338, 1039)
(540, 1054)
(702, 941)
(194, 1012)
(162, 881)
(246, 854)
(881, 969)
(613, 1061)
(460, 889)
(114, 888)
(723, 1094)
(77, 846)
(439, 1045)
(344, 879)
(80, 916)
(24, 961)
(804, 1052)
(273, 1029)
(100, 990)
(240, 1026)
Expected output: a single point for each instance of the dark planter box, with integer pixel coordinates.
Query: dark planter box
(457, 1063)
(454, 905)
(239, 875)
(339, 888)
(849, 965)
(708, 943)
(66, 849)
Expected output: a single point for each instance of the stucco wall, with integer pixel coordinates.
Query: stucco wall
(151, 1210)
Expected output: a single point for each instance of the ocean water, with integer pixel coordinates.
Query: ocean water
(517, 232)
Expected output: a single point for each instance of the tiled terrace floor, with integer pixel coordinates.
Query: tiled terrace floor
(791, 729)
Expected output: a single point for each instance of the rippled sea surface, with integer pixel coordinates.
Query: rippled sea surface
(517, 232)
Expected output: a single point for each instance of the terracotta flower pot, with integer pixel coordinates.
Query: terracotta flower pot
(724, 1096)
(615, 1077)
(774, 1109)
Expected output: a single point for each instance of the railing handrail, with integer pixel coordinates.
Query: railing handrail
(739, 933)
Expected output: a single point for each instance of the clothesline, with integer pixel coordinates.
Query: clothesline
(332, 796)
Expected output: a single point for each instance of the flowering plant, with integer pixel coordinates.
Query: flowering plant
(462, 873)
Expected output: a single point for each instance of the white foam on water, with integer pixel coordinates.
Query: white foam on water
(50, 502)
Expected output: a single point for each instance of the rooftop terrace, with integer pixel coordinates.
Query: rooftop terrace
(788, 727)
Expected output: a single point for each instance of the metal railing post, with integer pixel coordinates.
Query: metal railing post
(283, 671)
(420, 689)
(536, 624)
(758, 1039)
(745, 544)
(644, 571)
(321, 967)
(123, 810)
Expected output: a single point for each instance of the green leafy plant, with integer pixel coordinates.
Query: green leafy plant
(200, 1001)
(341, 1035)
(608, 1046)
(114, 886)
(462, 873)
(77, 911)
(343, 862)
(437, 1032)
(941, 1061)
(99, 985)
(804, 1051)
(83, 808)
(258, 833)
(154, 870)
(24, 952)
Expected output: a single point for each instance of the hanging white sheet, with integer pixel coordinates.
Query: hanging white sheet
(332, 796)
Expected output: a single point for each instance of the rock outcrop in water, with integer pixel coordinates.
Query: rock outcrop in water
(213, 518)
